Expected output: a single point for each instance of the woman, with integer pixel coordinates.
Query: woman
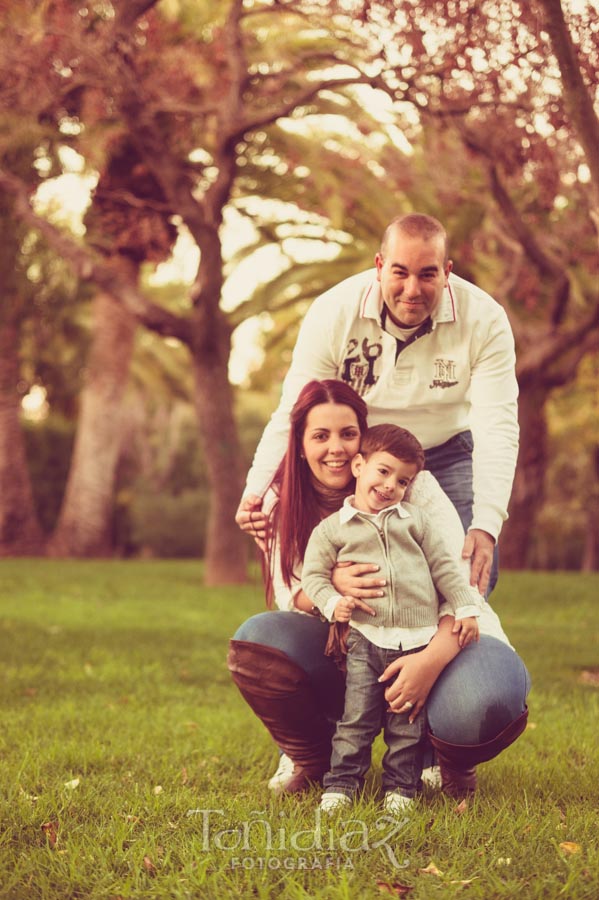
(476, 698)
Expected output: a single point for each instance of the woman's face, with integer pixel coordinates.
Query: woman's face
(331, 439)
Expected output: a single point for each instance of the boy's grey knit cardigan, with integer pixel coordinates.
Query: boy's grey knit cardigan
(412, 557)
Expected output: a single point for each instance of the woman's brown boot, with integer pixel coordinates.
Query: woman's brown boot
(457, 761)
(281, 695)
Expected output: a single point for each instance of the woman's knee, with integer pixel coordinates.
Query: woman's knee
(301, 638)
(479, 693)
(256, 630)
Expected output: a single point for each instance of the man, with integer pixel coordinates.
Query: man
(428, 351)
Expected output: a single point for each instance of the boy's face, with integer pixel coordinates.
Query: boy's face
(381, 480)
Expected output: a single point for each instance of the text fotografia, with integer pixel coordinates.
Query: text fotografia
(305, 863)
(257, 843)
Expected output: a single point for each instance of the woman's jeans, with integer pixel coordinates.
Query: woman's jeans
(476, 696)
(451, 464)
(364, 715)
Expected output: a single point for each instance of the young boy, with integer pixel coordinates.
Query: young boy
(374, 526)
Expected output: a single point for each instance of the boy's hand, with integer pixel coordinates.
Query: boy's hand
(345, 607)
(468, 630)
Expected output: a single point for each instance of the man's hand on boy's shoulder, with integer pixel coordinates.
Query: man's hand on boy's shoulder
(478, 548)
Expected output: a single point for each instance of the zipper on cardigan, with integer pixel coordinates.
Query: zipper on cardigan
(390, 582)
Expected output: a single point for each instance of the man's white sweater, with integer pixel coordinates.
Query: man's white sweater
(460, 375)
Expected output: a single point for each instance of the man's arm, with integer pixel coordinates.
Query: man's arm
(494, 424)
(252, 519)
(317, 355)
(478, 548)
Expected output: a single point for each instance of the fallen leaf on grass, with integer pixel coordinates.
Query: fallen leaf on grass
(133, 820)
(72, 785)
(431, 869)
(461, 807)
(184, 777)
(158, 789)
(150, 867)
(50, 829)
(504, 861)
(396, 889)
(531, 725)
(570, 848)
(464, 881)
(590, 676)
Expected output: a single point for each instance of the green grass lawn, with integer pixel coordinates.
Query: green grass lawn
(131, 767)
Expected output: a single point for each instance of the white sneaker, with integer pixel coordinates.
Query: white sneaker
(431, 777)
(396, 803)
(283, 773)
(331, 802)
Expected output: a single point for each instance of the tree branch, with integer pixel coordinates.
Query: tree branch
(284, 109)
(128, 11)
(577, 97)
(566, 372)
(542, 357)
(89, 266)
(544, 263)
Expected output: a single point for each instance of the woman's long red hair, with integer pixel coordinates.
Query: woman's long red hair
(298, 509)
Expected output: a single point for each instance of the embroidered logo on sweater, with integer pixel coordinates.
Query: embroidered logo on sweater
(444, 375)
(358, 367)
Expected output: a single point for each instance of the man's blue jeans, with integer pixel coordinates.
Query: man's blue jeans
(451, 464)
(364, 715)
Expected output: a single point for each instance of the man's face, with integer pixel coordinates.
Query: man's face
(412, 276)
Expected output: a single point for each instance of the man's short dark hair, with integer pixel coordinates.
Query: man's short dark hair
(415, 225)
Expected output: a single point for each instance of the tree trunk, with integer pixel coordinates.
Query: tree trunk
(226, 552)
(528, 491)
(20, 533)
(85, 522)
(590, 558)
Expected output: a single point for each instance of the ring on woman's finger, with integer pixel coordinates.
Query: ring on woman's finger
(409, 704)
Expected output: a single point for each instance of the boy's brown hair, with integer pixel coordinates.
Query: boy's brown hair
(399, 442)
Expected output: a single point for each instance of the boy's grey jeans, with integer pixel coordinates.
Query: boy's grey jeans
(364, 715)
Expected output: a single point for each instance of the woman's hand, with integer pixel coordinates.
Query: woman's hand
(416, 674)
(345, 607)
(350, 578)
